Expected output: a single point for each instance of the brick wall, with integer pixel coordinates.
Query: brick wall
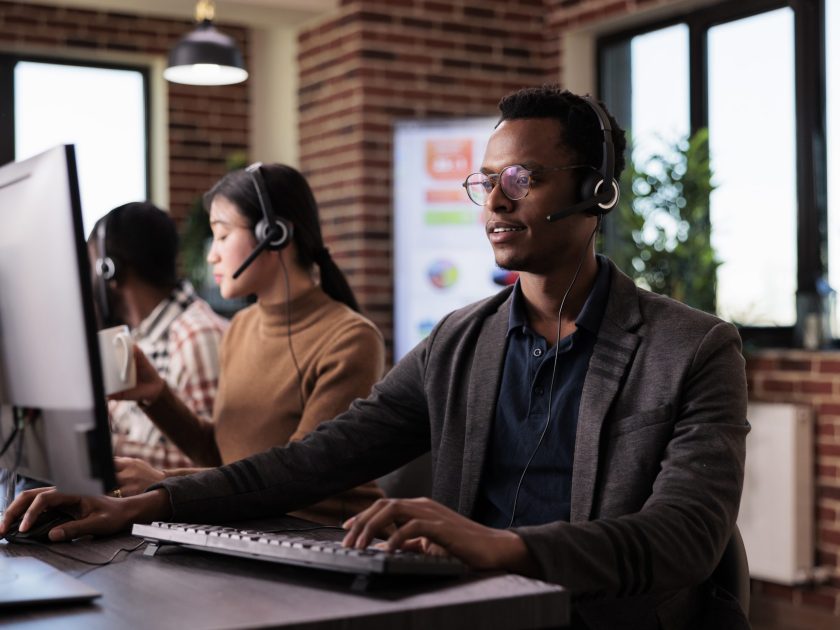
(206, 124)
(374, 61)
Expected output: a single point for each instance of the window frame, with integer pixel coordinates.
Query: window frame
(810, 124)
(7, 100)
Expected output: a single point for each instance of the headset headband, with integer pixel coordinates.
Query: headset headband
(608, 151)
(262, 193)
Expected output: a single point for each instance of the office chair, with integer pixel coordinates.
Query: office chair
(733, 573)
(412, 480)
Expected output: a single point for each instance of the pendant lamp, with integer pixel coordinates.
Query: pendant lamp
(205, 56)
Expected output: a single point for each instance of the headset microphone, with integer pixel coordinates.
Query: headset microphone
(272, 232)
(599, 190)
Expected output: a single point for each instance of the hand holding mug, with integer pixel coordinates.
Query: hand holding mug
(116, 358)
(149, 383)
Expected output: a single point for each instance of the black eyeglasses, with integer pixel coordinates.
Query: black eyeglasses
(515, 181)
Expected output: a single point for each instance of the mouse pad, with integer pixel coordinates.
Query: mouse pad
(26, 581)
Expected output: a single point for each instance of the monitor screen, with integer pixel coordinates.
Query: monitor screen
(53, 414)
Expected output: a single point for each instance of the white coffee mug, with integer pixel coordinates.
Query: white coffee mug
(119, 371)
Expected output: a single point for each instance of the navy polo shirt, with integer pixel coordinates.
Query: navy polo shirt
(522, 411)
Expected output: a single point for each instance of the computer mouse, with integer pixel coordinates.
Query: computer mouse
(40, 529)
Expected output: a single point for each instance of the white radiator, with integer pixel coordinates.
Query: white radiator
(777, 508)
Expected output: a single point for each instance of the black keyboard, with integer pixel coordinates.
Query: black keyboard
(302, 550)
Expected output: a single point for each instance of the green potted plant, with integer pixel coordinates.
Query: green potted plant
(665, 210)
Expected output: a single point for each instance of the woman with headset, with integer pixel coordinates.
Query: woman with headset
(299, 356)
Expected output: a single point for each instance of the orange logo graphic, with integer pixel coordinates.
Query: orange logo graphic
(448, 159)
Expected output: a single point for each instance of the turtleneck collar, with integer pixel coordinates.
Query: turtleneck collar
(304, 311)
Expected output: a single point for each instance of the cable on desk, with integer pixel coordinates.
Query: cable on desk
(96, 565)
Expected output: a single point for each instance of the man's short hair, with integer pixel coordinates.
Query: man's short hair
(581, 129)
(141, 237)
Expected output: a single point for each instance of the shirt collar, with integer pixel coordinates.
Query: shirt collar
(590, 315)
(166, 311)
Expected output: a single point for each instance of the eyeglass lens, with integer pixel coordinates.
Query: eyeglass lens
(515, 181)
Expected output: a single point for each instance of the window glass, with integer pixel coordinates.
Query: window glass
(753, 150)
(659, 90)
(102, 112)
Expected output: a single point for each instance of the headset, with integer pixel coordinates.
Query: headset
(272, 232)
(105, 270)
(599, 190)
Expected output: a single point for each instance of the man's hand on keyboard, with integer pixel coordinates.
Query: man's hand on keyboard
(425, 525)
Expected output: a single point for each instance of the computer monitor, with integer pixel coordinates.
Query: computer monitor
(50, 374)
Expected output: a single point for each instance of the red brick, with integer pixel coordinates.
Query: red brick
(828, 450)
(829, 366)
(827, 492)
(829, 409)
(826, 515)
(825, 558)
(775, 385)
(825, 429)
(795, 365)
(816, 387)
(826, 470)
(762, 363)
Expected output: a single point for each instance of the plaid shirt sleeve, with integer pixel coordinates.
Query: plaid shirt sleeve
(193, 343)
(160, 453)
(194, 358)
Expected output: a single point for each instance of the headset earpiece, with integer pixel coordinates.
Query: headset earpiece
(596, 198)
(610, 195)
(278, 236)
(105, 270)
(272, 232)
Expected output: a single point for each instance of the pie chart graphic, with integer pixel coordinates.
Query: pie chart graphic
(442, 274)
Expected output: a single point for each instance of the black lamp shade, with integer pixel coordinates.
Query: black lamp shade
(205, 57)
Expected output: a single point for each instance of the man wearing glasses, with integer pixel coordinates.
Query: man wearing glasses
(582, 430)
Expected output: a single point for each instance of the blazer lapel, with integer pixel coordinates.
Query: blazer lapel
(482, 391)
(613, 353)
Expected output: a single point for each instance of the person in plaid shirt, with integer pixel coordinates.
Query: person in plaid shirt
(136, 247)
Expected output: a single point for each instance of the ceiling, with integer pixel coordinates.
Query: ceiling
(247, 12)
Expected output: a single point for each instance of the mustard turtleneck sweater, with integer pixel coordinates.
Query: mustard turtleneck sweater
(262, 402)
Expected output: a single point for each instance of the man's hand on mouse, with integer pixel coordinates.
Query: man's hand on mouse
(97, 515)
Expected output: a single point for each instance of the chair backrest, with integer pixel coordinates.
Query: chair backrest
(412, 480)
(733, 572)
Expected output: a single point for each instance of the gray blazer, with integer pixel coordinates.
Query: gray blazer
(658, 466)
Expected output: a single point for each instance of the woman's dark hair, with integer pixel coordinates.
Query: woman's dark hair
(581, 128)
(292, 199)
(141, 237)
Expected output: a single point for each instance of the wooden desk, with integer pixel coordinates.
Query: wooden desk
(180, 589)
